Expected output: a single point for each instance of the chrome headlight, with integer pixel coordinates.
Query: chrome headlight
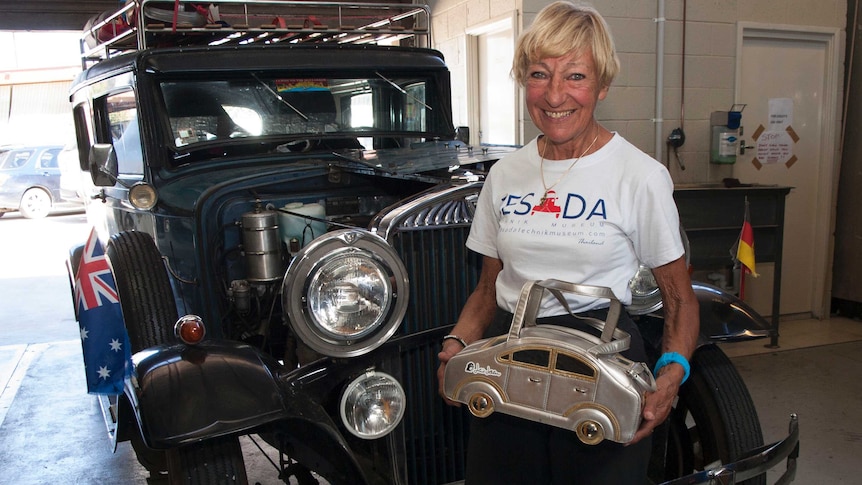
(646, 296)
(346, 293)
(143, 196)
(372, 405)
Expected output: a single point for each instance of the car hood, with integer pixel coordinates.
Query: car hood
(432, 161)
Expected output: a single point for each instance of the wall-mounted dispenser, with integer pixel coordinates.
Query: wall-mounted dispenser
(726, 134)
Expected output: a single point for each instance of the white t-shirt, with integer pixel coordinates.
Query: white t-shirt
(612, 210)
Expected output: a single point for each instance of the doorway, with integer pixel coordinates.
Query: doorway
(797, 70)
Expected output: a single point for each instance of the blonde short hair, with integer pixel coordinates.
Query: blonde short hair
(562, 28)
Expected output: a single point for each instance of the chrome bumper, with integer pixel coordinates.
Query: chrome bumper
(754, 463)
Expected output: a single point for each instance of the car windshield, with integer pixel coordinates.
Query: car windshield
(355, 109)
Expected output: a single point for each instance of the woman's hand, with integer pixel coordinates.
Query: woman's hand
(475, 317)
(681, 329)
(450, 348)
(658, 404)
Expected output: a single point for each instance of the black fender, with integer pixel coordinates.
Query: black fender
(726, 318)
(186, 393)
(723, 318)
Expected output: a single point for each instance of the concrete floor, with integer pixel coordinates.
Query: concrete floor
(51, 431)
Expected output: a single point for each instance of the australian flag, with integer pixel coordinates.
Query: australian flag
(107, 353)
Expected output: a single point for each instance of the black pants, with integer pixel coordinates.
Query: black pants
(508, 450)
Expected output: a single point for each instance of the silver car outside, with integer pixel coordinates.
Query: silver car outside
(555, 375)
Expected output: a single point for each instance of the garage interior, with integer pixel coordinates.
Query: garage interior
(51, 430)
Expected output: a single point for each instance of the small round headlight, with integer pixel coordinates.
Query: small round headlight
(143, 196)
(372, 405)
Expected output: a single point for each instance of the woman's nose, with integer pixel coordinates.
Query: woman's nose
(555, 92)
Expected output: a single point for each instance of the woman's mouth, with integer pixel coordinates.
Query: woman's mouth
(558, 114)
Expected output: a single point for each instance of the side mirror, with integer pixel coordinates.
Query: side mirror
(103, 165)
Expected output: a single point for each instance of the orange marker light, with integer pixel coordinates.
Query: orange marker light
(190, 329)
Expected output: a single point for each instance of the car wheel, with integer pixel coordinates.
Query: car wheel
(149, 312)
(217, 460)
(590, 432)
(714, 421)
(481, 405)
(35, 203)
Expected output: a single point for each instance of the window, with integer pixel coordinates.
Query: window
(117, 124)
(574, 365)
(15, 158)
(123, 119)
(48, 159)
(537, 357)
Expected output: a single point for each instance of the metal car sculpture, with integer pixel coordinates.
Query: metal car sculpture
(555, 375)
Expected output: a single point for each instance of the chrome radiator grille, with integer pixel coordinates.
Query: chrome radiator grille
(429, 234)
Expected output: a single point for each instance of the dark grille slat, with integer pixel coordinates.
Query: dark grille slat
(442, 274)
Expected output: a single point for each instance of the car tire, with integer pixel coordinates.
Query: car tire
(35, 203)
(713, 421)
(150, 313)
(480, 404)
(217, 460)
(144, 289)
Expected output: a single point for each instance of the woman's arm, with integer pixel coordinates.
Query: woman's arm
(681, 329)
(477, 314)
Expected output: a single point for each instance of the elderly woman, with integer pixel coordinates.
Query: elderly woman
(581, 204)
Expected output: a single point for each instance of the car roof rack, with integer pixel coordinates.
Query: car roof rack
(153, 24)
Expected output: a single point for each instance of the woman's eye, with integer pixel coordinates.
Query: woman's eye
(537, 75)
(577, 76)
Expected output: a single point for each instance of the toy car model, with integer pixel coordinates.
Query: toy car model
(555, 375)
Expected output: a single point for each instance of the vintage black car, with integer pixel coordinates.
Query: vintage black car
(286, 175)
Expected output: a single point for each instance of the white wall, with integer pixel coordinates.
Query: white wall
(36, 70)
(630, 107)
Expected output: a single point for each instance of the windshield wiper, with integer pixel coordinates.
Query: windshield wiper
(278, 97)
(405, 93)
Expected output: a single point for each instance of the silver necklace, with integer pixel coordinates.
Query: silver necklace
(542, 167)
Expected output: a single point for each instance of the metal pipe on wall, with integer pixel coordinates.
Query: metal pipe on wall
(659, 80)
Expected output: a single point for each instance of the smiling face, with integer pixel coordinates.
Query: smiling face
(562, 94)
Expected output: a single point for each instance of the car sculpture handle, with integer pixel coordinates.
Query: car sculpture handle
(612, 340)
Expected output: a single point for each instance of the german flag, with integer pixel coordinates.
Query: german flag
(745, 246)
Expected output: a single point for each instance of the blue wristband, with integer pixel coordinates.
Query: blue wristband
(673, 358)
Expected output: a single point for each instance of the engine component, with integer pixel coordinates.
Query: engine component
(261, 246)
(239, 292)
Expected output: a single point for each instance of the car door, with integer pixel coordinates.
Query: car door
(47, 169)
(528, 379)
(572, 381)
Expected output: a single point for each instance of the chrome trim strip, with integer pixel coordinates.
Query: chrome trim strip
(452, 205)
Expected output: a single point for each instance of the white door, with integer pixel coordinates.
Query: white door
(493, 92)
(798, 69)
